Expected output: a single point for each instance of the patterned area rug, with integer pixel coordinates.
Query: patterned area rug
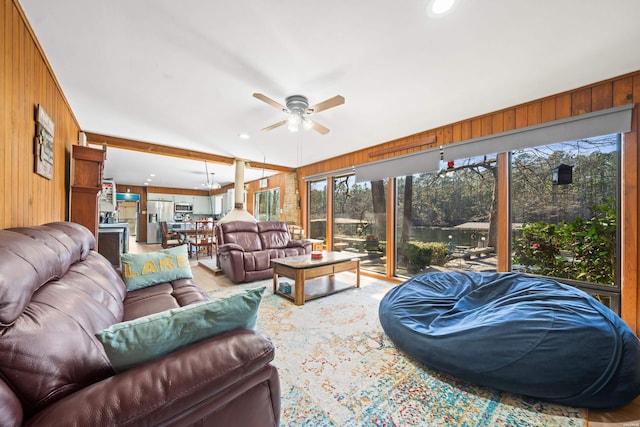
(338, 368)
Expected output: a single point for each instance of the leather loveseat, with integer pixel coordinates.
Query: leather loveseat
(245, 249)
(57, 292)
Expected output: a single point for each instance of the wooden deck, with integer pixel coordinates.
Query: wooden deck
(477, 252)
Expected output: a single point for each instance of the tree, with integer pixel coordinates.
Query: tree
(481, 211)
(379, 201)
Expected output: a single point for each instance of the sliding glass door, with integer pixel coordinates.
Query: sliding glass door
(360, 221)
(565, 210)
(317, 196)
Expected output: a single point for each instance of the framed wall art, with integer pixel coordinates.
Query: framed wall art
(43, 144)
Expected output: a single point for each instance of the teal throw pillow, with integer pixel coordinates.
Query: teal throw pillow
(131, 343)
(142, 270)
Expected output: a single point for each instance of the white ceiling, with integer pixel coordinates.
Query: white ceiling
(136, 168)
(182, 74)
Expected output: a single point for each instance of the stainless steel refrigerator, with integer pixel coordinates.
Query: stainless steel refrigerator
(157, 211)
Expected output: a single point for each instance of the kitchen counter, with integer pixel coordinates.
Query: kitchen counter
(175, 226)
(125, 233)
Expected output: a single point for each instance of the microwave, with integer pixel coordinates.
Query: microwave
(184, 207)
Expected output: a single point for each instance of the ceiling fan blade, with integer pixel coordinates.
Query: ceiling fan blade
(325, 105)
(275, 125)
(269, 101)
(319, 128)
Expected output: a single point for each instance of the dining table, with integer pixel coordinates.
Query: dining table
(189, 232)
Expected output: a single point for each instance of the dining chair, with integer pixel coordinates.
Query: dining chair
(203, 240)
(169, 240)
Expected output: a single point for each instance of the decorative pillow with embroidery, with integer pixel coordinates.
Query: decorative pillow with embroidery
(142, 270)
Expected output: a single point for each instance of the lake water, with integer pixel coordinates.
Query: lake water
(427, 234)
(446, 235)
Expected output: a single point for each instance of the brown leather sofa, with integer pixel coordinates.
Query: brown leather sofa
(56, 292)
(245, 249)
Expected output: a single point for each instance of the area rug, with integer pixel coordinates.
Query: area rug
(338, 368)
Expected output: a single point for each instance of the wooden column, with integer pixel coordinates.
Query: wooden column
(86, 184)
(504, 214)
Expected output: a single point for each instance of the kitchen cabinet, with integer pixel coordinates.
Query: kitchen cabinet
(111, 244)
(202, 205)
(86, 183)
(161, 196)
(188, 200)
(124, 227)
(218, 204)
(175, 198)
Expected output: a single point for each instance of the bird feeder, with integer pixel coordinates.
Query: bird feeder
(562, 175)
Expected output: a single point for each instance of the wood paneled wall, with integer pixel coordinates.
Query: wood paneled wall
(598, 96)
(27, 80)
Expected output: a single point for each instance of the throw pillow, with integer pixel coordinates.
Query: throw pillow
(142, 270)
(131, 343)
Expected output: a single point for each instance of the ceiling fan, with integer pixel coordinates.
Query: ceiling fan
(297, 107)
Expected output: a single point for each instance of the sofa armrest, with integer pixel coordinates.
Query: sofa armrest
(300, 244)
(179, 388)
(227, 247)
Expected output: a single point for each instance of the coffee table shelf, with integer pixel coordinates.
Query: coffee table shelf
(319, 273)
(318, 288)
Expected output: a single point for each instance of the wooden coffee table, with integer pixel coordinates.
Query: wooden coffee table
(302, 267)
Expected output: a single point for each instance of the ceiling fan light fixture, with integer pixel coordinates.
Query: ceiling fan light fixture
(307, 123)
(212, 184)
(294, 121)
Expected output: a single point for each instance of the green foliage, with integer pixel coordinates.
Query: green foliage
(415, 255)
(439, 254)
(581, 249)
(594, 245)
(418, 255)
(538, 250)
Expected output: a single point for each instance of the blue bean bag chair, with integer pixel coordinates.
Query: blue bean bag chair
(518, 333)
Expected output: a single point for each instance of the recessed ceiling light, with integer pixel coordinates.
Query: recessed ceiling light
(152, 174)
(440, 7)
(244, 135)
(149, 179)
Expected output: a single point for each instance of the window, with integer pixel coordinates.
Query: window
(446, 212)
(447, 218)
(267, 205)
(564, 204)
(360, 219)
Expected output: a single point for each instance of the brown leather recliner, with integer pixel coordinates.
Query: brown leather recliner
(245, 249)
(56, 292)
